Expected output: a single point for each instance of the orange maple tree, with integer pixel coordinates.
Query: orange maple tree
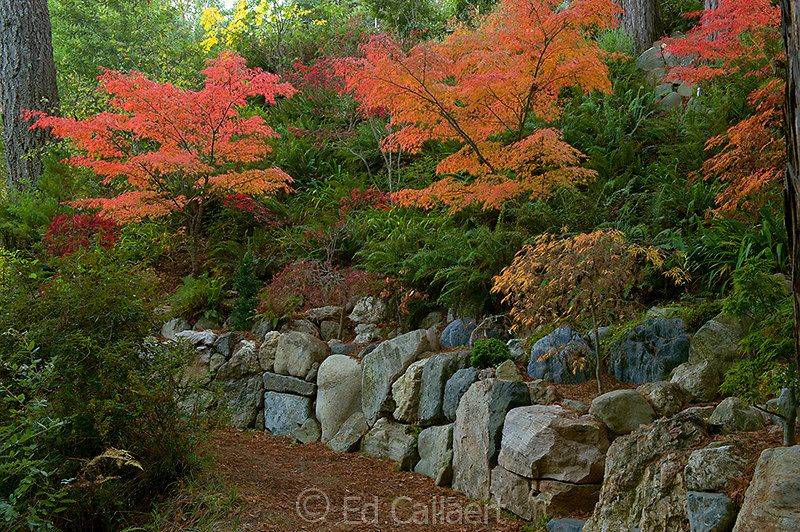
(492, 90)
(163, 149)
(740, 38)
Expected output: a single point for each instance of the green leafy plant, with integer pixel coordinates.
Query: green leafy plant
(488, 353)
(246, 286)
(198, 296)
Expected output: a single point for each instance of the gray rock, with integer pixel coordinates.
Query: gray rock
(507, 371)
(308, 432)
(243, 362)
(366, 332)
(457, 333)
(643, 486)
(710, 512)
(622, 411)
(241, 400)
(667, 398)
(578, 407)
(340, 348)
(435, 376)
(476, 434)
(215, 362)
(392, 441)
(772, 501)
(517, 350)
(492, 327)
(650, 351)
(261, 327)
(565, 525)
(734, 415)
(205, 324)
(368, 310)
(436, 454)
(542, 392)
(432, 319)
(553, 357)
(267, 350)
(199, 339)
(700, 381)
(285, 413)
(170, 329)
(349, 434)
(714, 467)
(329, 330)
(302, 326)
(339, 393)
(224, 344)
(455, 388)
(551, 443)
(273, 382)
(320, 314)
(384, 365)
(297, 352)
(405, 392)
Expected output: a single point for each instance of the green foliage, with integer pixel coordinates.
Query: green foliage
(199, 295)
(489, 353)
(246, 286)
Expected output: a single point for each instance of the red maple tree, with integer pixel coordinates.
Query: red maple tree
(163, 149)
(488, 89)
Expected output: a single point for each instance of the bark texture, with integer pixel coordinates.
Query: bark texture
(790, 10)
(642, 21)
(27, 81)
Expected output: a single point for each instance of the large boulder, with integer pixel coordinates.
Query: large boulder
(436, 454)
(714, 467)
(405, 392)
(243, 362)
(650, 351)
(368, 310)
(622, 411)
(700, 381)
(338, 393)
(274, 382)
(297, 353)
(241, 401)
(394, 441)
(734, 415)
(667, 398)
(457, 333)
(709, 512)
(437, 371)
(366, 332)
(349, 434)
(476, 434)
(285, 413)
(550, 442)
(320, 314)
(772, 501)
(455, 388)
(267, 350)
(643, 486)
(555, 357)
(384, 365)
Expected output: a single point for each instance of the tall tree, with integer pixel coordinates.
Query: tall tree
(790, 18)
(642, 21)
(27, 81)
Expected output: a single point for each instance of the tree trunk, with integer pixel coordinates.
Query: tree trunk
(790, 12)
(27, 81)
(642, 21)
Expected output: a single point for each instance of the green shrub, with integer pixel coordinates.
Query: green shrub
(488, 353)
(246, 286)
(199, 296)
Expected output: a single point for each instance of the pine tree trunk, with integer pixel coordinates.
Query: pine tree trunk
(642, 21)
(790, 10)
(27, 81)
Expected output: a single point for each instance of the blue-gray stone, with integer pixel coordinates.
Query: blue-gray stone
(457, 332)
(456, 387)
(650, 351)
(553, 357)
(709, 512)
(565, 525)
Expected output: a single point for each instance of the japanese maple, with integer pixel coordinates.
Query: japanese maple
(68, 233)
(744, 38)
(163, 149)
(488, 89)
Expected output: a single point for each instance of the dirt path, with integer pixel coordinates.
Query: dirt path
(284, 486)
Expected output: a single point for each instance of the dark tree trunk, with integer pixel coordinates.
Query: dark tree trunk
(642, 21)
(790, 10)
(27, 81)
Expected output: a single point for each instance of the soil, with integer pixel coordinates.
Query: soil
(287, 486)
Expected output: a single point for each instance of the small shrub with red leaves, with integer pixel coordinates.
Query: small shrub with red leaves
(68, 233)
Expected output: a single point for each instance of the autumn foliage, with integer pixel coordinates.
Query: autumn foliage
(488, 89)
(163, 149)
(744, 38)
(67, 233)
